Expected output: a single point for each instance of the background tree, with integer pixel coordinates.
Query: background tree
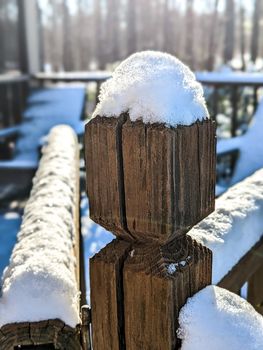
(67, 43)
(131, 26)
(255, 30)
(242, 35)
(212, 38)
(98, 33)
(189, 30)
(229, 30)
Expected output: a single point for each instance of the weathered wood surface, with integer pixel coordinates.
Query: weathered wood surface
(244, 269)
(157, 282)
(53, 332)
(107, 296)
(168, 176)
(136, 300)
(149, 182)
(85, 327)
(104, 177)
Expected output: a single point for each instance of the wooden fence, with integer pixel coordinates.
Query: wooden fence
(233, 83)
(148, 184)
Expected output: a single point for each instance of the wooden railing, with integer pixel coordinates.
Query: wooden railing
(13, 93)
(248, 270)
(97, 77)
(234, 83)
(52, 333)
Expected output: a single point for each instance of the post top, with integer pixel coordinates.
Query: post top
(154, 87)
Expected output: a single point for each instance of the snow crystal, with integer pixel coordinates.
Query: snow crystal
(216, 319)
(154, 87)
(235, 225)
(40, 283)
(171, 268)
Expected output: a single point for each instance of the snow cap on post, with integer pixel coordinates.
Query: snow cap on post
(150, 150)
(154, 87)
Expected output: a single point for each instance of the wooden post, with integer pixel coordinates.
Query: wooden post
(148, 184)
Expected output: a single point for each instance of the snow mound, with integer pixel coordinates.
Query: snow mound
(216, 319)
(154, 87)
(39, 282)
(235, 225)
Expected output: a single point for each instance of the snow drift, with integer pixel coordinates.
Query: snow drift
(235, 225)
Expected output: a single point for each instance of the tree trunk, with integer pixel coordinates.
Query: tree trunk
(212, 41)
(189, 40)
(229, 30)
(113, 21)
(242, 37)
(255, 30)
(67, 47)
(131, 27)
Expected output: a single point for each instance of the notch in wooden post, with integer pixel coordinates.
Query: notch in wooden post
(148, 184)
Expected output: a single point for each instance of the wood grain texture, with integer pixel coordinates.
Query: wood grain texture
(147, 181)
(169, 177)
(153, 296)
(148, 184)
(53, 332)
(104, 176)
(107, 296)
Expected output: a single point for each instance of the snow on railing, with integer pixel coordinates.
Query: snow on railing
(41, 282)
(235, 226)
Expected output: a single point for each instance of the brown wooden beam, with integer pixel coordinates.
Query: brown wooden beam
(244, 269)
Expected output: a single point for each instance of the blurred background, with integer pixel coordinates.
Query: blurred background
(81, 35)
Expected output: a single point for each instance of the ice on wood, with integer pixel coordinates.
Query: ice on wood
(40, 282)
(235, 225)
(217, 319)
(154, 87)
